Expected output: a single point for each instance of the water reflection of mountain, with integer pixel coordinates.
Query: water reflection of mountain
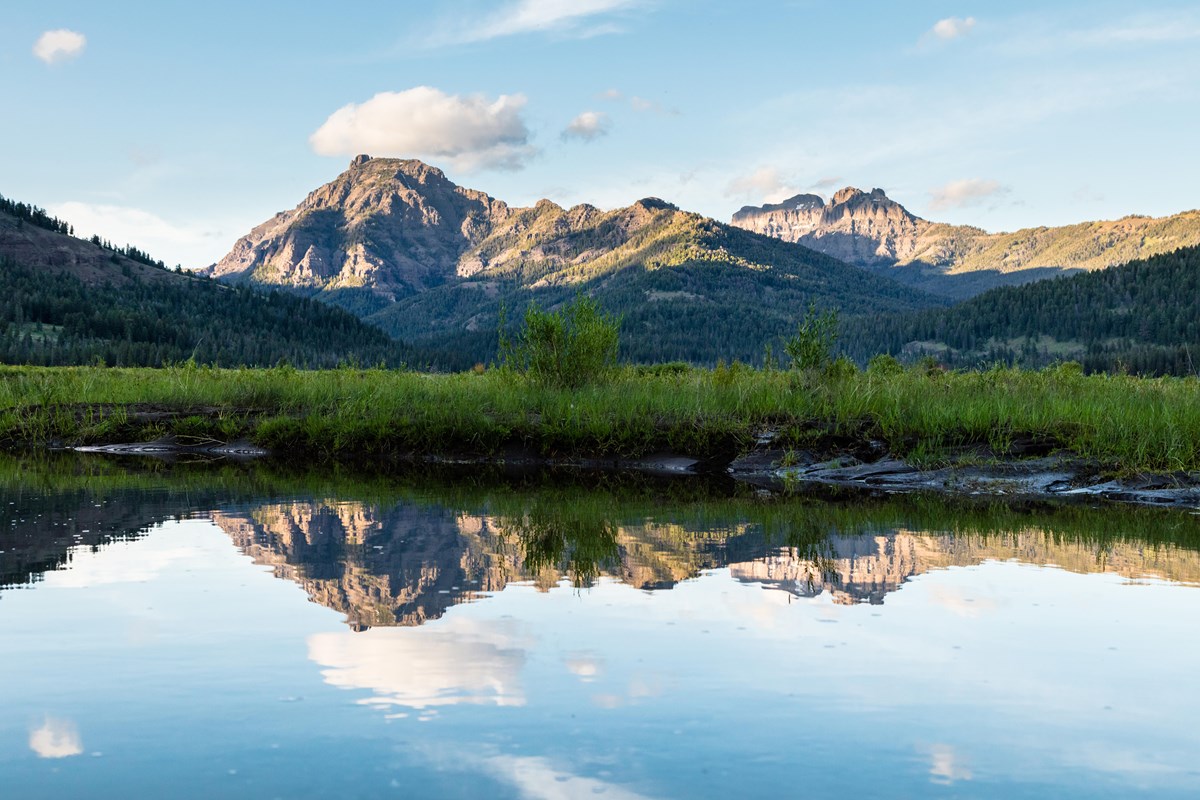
(409, 563)
(855, 569)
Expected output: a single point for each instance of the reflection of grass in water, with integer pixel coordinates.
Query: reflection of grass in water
(578, 522)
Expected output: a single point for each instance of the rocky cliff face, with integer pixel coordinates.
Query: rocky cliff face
(870, 230)
(866, 229)
(400, 227)
(397, 226)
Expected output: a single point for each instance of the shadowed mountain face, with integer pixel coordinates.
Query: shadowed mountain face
(873, 231)
(431, 262)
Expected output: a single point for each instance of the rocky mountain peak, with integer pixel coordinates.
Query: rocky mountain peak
(395, 225)
(846, 194)
(864, 228)
(655, 204)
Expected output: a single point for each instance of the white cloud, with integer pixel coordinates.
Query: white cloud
(763, 185)
(130, 562)
(946, 766)
(123, 225)
(532, 16)
(960, 194)
(952, 27)
(466, 131)
(59, 45)
(612, 94)
(587, 126)
(586, 666)
(536, 778)
(57, 738)
(457, 661)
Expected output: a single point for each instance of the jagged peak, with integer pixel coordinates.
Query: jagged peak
(656, 204)
(850, 193)
(845, 194)
(364, 165)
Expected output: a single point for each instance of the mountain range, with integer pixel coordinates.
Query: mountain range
(432, 263)
(415, 258)
(870, 230)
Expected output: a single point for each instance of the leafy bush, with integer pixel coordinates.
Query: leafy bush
(884, 364)
(811, 347)
(572, 347)
(840, 368)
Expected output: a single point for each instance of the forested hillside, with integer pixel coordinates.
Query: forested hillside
(693, 290)
(71, 301)
(1143, 317)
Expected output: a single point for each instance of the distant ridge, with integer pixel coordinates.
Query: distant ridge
(871, 230)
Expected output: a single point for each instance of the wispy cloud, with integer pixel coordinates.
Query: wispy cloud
(59, 45)
(1040, 36)
(637, 103)
(765, 184)
(588, 126)
(467, 131)
(574, 17)
(963, 193)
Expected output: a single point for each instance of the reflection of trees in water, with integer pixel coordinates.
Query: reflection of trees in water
(401, 554)
(573, 545)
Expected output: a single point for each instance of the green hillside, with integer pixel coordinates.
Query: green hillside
(687, 288)
(1143, 317)
(71, 301)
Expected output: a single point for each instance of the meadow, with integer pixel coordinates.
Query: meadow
(1121, 423)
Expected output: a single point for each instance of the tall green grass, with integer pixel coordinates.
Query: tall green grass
(1120, 422)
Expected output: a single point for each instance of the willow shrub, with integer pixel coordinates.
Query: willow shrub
(569, 348)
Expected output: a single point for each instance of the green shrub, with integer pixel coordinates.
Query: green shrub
(811, 347)
(884, 364)
(572, 347)
(840, 368)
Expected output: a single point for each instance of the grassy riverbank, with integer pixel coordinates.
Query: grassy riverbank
(1121, 422)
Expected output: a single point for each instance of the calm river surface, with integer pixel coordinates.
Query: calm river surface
(173, 631)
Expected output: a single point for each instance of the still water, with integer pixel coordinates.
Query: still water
(230, 632)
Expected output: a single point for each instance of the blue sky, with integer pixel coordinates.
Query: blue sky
(179, 126)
